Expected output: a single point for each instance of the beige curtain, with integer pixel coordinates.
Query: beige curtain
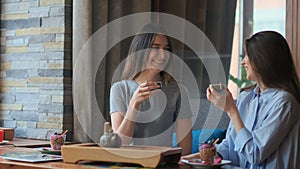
(88, 17)
(91, 90)
(293, 29)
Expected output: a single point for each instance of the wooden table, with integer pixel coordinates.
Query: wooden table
(8, 164)
(31, 143)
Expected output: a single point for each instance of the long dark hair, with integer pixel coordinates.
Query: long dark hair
(271, 58)
(141, 41)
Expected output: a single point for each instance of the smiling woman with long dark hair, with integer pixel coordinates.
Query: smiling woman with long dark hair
(271, 58)
(142, 111)
(264, 131)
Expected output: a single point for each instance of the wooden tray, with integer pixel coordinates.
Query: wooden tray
(147, 156)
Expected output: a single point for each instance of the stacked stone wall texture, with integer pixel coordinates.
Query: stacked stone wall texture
(36, 67)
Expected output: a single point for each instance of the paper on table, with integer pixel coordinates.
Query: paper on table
(4, 141)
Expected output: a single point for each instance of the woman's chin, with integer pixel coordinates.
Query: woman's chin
(156, 69)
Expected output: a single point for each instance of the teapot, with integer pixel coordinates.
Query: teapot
(109, 138)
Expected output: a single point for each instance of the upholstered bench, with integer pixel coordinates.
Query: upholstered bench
(201, 136)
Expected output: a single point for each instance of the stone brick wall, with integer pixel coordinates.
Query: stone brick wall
(36, 67)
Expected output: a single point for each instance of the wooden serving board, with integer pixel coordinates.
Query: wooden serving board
(147, 156)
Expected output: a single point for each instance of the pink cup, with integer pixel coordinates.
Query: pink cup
(207, 153)
(1, 135)
(57, 140)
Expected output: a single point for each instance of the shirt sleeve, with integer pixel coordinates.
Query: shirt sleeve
(223, 147)
(117, 99)
(259, 144)
(226, 148)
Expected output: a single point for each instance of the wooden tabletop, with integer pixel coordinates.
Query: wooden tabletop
(20, 142)
(8, 164)
(19, 145)
(31, 143)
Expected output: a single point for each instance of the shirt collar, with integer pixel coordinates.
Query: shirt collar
(256, 92)
(265, 95)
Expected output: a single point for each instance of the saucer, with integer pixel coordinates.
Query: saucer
(197, 164)
(48, 150)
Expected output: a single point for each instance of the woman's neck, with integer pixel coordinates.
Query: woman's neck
(261, 86)
(148, 75)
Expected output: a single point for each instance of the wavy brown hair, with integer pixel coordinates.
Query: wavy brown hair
(271, 58)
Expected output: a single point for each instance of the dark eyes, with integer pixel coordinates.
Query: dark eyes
(242, 56)
(157, 47)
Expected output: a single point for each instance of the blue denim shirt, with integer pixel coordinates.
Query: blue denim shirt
(271, 136)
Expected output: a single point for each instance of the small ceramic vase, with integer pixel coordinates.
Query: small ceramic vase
(110, 139)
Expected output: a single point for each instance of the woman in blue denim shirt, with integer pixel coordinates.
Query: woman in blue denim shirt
(264, 131)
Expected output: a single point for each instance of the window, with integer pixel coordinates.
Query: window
(253, 16)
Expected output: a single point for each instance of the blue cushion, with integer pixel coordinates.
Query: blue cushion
(201, 136)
